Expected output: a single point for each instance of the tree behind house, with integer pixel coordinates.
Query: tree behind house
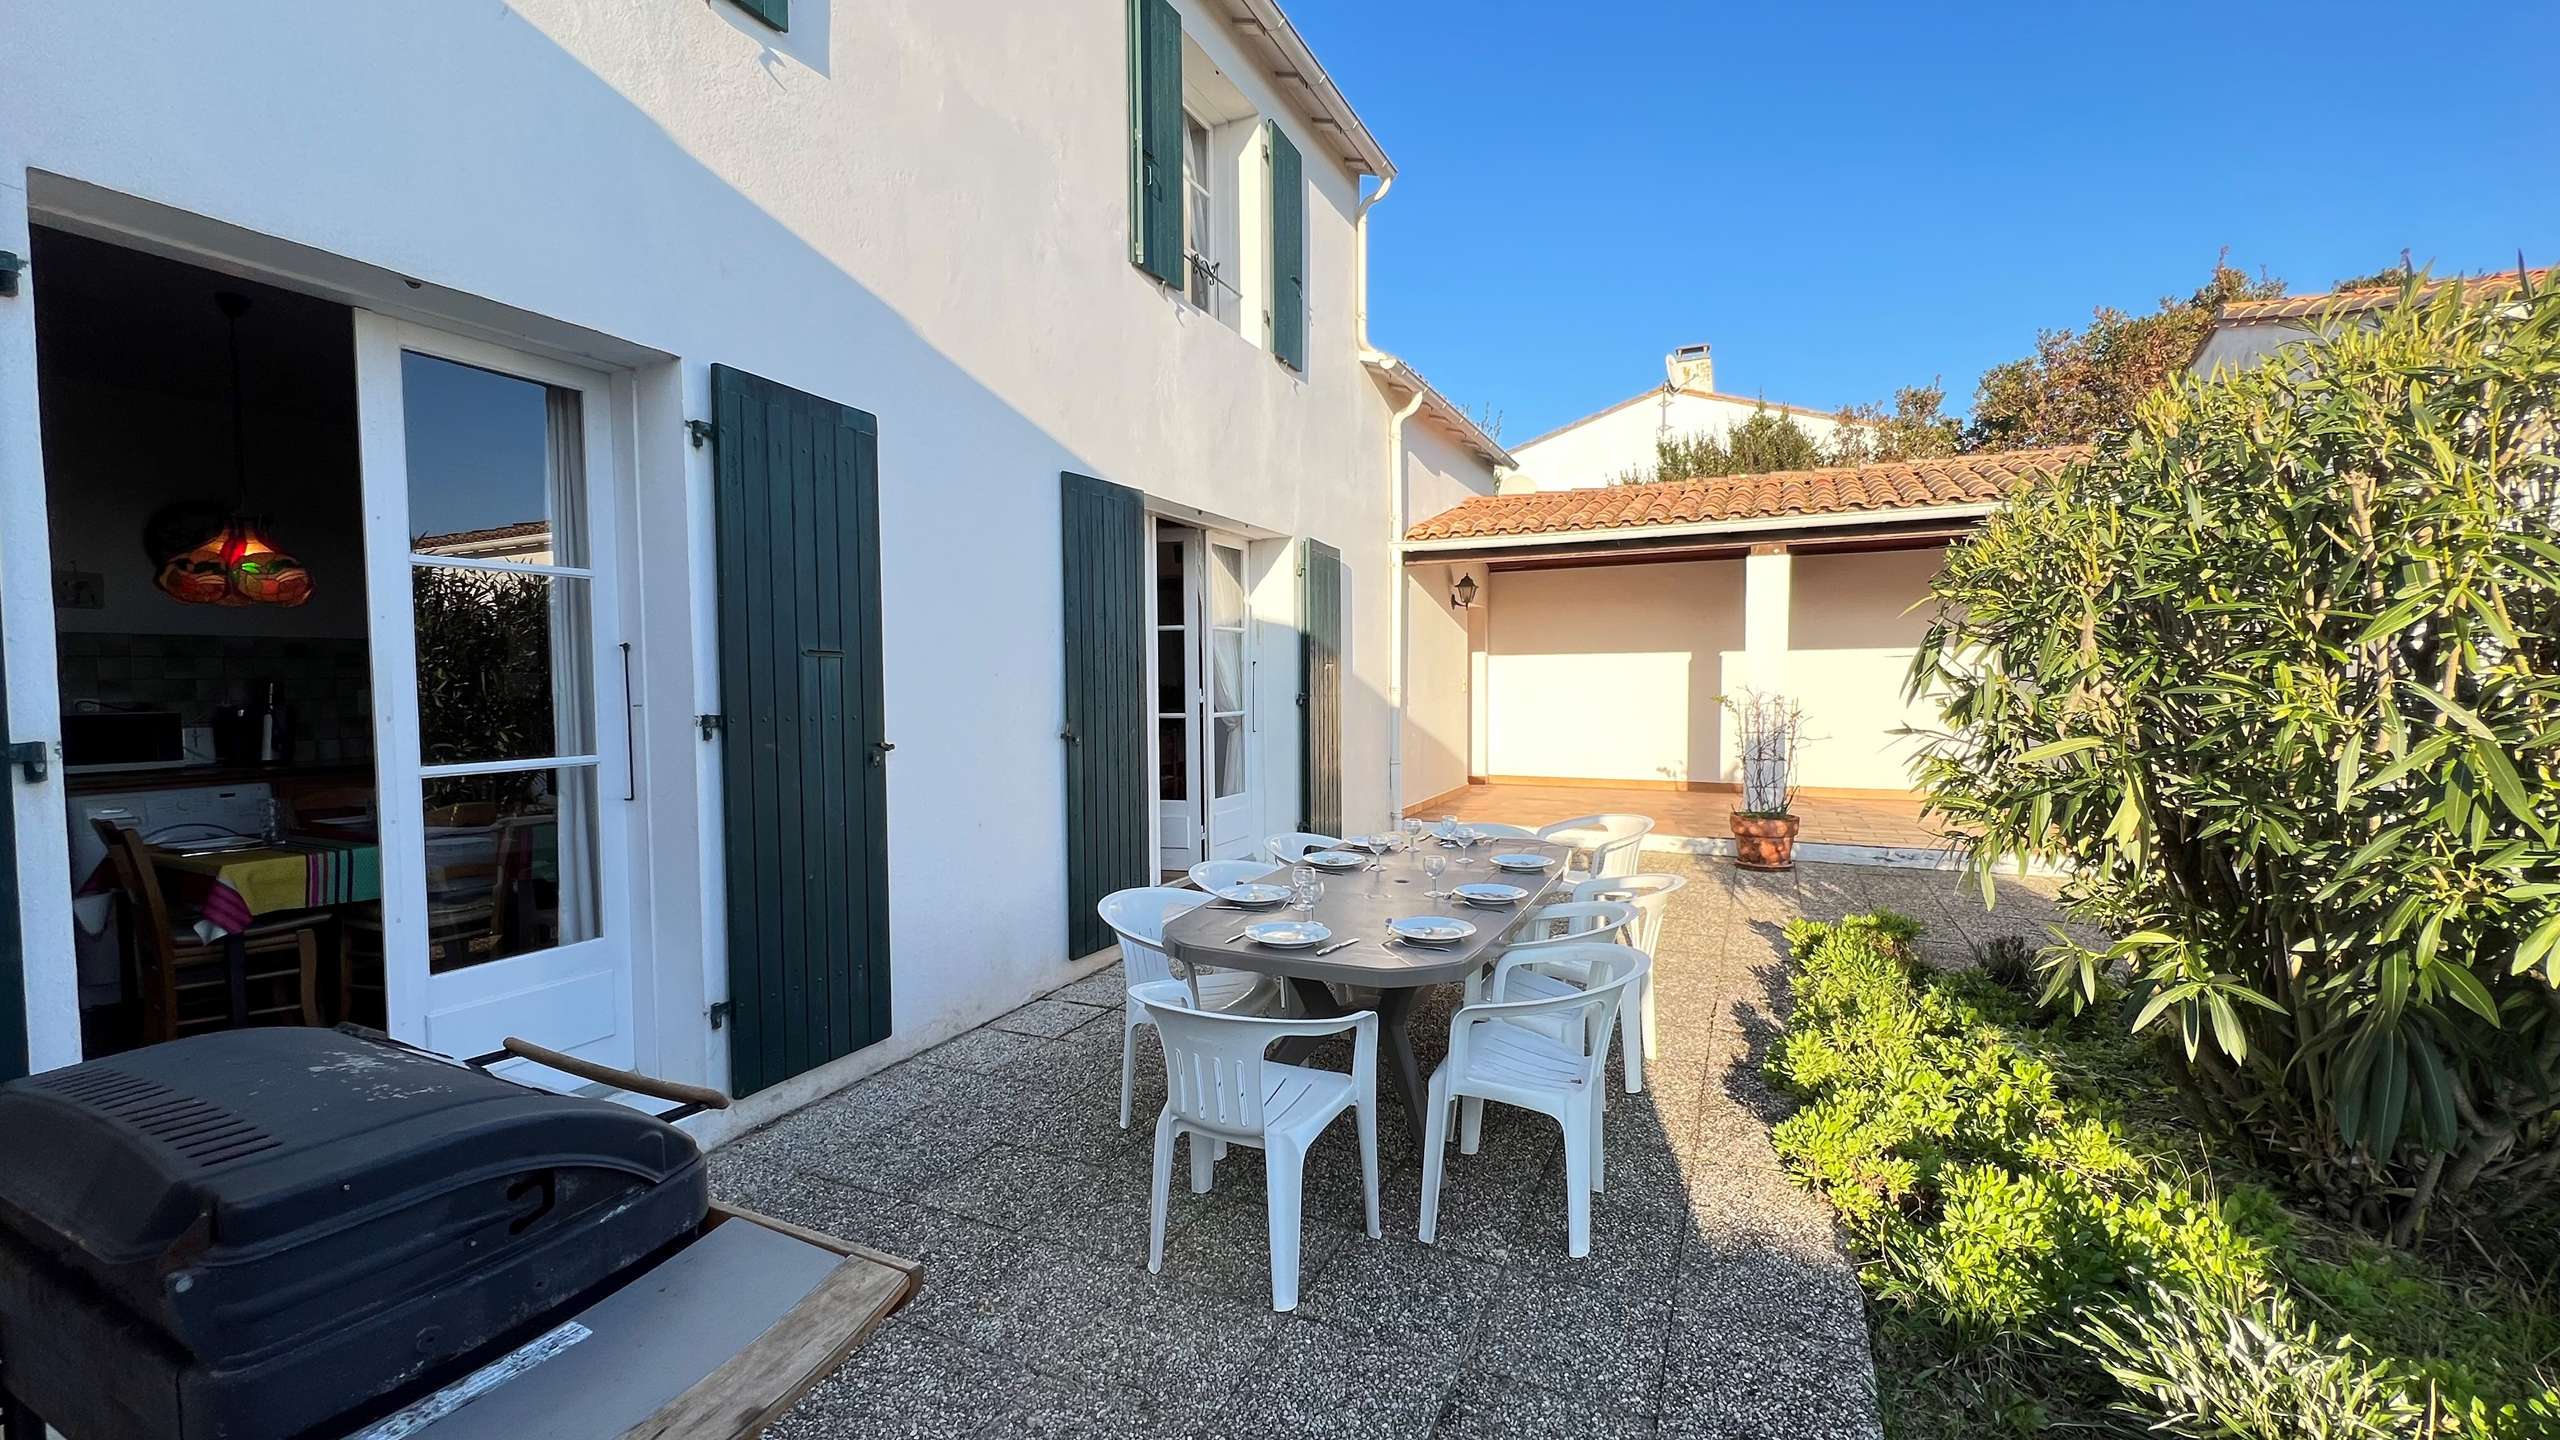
(2079, 384)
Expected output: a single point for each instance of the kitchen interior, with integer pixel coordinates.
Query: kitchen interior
(203, 491)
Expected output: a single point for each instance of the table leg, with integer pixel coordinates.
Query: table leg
(1395, 1053)
(235, 956)
(1396, 1060)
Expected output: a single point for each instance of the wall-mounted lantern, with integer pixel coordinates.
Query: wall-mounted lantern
(1463, 594)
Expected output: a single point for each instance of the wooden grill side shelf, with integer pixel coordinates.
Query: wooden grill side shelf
(758, 1384)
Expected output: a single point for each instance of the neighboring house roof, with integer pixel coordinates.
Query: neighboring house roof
(494, 538)
(1443, 411)
(1846, 491)
(2372, 297)
(1656, 394)
(1287, 58)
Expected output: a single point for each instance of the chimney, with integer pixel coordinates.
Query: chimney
(1690, 368)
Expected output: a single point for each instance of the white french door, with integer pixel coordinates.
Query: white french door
(1227, 656)
(500, 750)
(1176, 663)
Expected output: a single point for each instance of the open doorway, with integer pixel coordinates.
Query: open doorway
(210, 623)
(1205, 766)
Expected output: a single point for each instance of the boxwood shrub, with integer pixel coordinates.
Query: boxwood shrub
(2048, 1242)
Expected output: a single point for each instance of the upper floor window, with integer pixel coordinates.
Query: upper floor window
(1206, 258)
(1217, 205)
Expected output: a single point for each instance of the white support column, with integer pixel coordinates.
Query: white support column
(1767, 583)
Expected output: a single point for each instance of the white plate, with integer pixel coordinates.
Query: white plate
(1288, 934)
(1522, 862)
(1336, 859)
(1431, 929)
(1255, 894)
(1484, 893)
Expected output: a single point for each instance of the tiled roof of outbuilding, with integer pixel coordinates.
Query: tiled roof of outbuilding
(1843, 490)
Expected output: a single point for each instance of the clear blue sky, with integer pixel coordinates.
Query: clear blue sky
(1843, 198)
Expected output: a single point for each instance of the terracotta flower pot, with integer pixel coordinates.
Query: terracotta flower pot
(1764, 842)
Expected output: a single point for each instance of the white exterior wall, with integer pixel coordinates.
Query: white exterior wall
(914, 208)
(1849, 648)
(1439, 472)
(1611, 673)
(1599, 449)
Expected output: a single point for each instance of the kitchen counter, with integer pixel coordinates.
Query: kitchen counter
(283, 775)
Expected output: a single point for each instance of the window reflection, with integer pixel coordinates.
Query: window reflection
(500, 656)
(510, 862)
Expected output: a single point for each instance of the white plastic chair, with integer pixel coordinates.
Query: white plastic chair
(1294, 846)
(1502, 1049)
(1546, 929)
(1138, 917)
(1219, 876)
(1495, 829)
(1614, 842)
(1220, 1090)
(1650, 894)
(1562, 923)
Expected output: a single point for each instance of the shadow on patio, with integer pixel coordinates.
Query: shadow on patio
(1715, 1301)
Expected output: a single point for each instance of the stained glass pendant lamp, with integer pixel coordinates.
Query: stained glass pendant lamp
(208, 557)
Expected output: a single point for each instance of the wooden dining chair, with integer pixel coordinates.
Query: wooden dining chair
(185, 981)
(313, 805)
(477, 909)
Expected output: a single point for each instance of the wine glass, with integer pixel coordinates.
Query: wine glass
(1435, 865)
(1304, 890)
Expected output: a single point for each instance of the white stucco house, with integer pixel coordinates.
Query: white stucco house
(2246, 332)
(964, 485)
(1602, 625)
(1608, 445)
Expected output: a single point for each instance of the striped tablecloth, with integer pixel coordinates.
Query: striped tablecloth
(232, 888)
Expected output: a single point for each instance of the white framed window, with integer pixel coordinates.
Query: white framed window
(1199, 212)
(1219, 126)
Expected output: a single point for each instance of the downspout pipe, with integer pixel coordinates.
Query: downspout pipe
(1372, 356)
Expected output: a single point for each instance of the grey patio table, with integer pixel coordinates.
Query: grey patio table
(1357, 905)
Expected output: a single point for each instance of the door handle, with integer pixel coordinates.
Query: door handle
(630, 736)
(880, 751)
(1070, 736)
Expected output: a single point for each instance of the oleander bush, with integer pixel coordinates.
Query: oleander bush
(2275, 673)
(2049, 1243)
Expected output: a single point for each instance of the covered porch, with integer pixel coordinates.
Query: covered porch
(1572, 652)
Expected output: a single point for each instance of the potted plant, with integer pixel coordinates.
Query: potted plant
(1764, 825)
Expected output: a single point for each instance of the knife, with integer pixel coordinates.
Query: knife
(1337, 945)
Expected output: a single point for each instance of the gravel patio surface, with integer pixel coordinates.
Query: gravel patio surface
(1715, 1303)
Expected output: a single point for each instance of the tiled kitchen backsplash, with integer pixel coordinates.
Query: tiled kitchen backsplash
(326, 685)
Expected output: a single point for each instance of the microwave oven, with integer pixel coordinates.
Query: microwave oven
(127, 740)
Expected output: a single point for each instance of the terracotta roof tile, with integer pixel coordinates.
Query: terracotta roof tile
(1844, 490)
(2348, 302)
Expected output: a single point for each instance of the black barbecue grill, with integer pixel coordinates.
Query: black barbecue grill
(255, 1233)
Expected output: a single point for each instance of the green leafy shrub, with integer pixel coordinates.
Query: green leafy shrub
(2276, 673)
(2009, 1177)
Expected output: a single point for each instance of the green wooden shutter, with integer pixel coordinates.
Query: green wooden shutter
(1103, 529)
(802, 750)
(1155, 139)
(13, 974)
(1288, 252)
(1320, 770)
(776, 13)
